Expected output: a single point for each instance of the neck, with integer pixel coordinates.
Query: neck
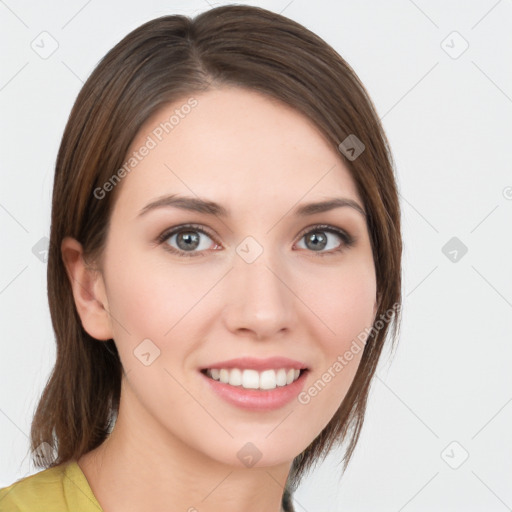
(137, 468)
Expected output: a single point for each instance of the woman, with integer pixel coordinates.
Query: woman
(224, 269)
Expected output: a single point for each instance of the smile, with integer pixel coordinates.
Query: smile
(253, 379)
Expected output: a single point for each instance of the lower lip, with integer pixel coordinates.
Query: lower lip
(254, 399)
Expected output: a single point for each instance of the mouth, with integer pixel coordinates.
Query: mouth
(256, 384)
(252, 379)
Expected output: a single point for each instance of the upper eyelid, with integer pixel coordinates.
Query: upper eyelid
(193, 227)
(322, 226)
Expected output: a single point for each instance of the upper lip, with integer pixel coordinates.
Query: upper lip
(251, 363)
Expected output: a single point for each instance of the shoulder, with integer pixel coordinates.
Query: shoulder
(62, 488)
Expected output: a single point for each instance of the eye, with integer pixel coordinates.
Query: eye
(190, 239)
(321, 237)
(195, 240)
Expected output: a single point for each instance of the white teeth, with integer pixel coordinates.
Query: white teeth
(268, 379)
(281, 377)
(235, 377)
(252, 379)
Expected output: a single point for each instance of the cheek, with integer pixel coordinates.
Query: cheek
(344, 312)
(148, 302)
(150, 299)
(343, 302)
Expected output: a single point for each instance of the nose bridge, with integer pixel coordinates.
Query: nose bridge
(259, 299)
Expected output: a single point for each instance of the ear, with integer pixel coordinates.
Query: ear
(88, 291)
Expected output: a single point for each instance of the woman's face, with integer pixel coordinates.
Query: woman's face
(252, 279)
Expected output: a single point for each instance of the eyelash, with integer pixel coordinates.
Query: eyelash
(347, 240)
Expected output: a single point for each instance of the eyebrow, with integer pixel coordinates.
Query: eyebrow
(207, 207)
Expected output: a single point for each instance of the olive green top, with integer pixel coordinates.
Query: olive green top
(63, 488)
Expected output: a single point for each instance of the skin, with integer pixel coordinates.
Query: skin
(175, 441)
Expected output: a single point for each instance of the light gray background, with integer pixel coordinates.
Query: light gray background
(448, 117)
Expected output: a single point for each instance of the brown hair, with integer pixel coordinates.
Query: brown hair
(160, 62)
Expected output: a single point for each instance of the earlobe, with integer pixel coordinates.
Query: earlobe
(88, 291)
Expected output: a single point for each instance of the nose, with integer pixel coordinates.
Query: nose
(259, 299)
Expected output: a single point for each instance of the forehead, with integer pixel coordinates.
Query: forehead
(236, 146)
